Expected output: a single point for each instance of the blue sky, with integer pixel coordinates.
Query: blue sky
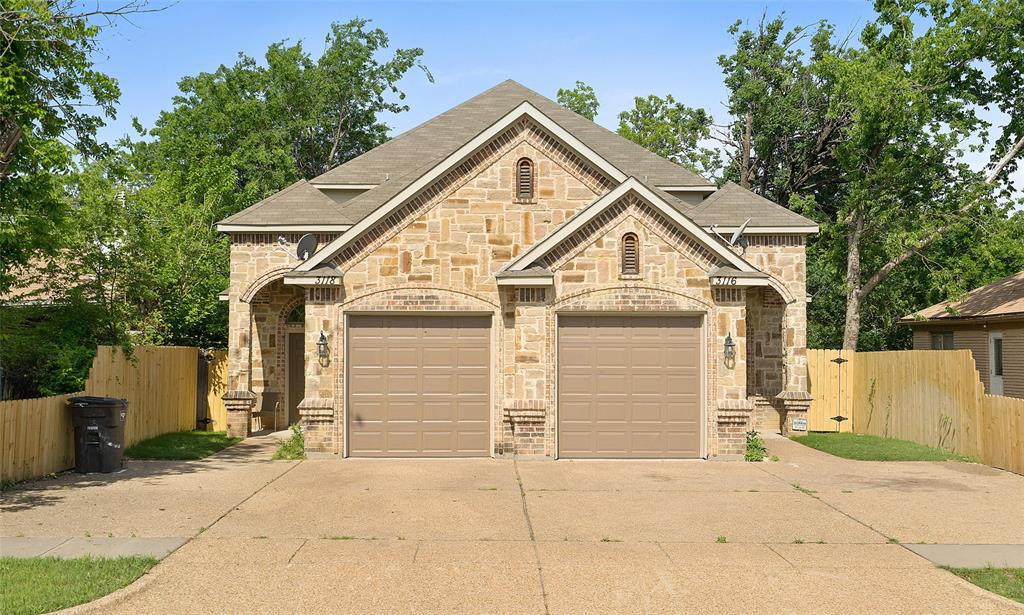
(622, 49)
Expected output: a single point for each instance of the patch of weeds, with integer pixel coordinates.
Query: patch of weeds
(820, 542)
(752, 491)
(294, 448)
(339, 537)
(755, 447)
(892, 541)
(610, 540)
(487, 489)
(721, 540)
(774, 457)
(6, 484)
(260, 537)
(798, 541)
(1007, 582)
(847, 491)
(804, 490)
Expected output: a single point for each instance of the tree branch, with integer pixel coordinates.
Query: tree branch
(923, 243)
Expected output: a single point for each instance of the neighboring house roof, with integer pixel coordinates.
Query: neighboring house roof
(299, 205)
(998, 300)
(435, 139)
(731, 205)
(44, 282)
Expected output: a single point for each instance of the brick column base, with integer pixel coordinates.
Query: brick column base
(793, 405)
(239, 406)
(319, 430)
(524, 429)
(734, 421)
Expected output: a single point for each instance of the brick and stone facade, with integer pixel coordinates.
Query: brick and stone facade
(440, 253)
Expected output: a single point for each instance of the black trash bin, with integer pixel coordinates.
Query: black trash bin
(99, 432)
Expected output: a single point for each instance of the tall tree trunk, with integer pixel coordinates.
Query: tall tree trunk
(851, 331)
(748, 130)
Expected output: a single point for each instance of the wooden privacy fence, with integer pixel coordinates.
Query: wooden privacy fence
(933, 397)
(159, 382)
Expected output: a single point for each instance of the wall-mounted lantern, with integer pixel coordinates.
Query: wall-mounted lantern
(322, 350)
(729, 349)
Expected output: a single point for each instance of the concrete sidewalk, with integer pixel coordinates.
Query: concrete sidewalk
(71, 547)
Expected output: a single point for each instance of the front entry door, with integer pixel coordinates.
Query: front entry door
(296, 375)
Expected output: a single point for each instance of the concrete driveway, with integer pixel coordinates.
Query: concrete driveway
(808, 534)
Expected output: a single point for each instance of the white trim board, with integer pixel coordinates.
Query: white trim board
(767, 230)
(577, 222)
(343, 186)
(525, 109)
(282, 228)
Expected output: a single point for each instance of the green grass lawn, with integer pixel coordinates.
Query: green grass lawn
(1007, 582)
(181, 445)
(45, 584)
(874, 448)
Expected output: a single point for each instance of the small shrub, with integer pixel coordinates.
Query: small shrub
(755, 447)
(292, 448)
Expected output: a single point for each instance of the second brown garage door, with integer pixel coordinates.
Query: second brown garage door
(418, 386)
(629, 386)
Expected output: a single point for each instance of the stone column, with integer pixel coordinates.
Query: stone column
(732, 408)
(239, 406)
(239, 398)
(526, 425)
(316, 410)
(794, 400)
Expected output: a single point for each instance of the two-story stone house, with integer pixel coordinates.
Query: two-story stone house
(511, 278)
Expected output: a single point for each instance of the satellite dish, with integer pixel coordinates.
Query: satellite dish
(739, 233)
(306, 246)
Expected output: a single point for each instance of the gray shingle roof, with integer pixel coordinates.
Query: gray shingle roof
(731, 205)
(435, 139)
(297, 204)
(399, 162)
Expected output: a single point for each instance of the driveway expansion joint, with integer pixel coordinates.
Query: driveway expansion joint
(533, 538)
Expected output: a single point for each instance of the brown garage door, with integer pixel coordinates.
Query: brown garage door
(418, 386)
(629, 386)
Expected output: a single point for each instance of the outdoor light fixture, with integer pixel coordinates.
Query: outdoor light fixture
(322, 350)
(730, 348)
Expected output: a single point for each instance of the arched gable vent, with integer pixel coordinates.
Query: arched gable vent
(630, 254)
(524, 179)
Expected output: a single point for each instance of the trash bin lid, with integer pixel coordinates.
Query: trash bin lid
(93, 400)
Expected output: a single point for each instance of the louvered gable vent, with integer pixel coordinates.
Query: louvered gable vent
(630, 254)
(524, 180)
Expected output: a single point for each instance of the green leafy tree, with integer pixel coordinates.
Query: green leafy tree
(781, 137)
(52, 101)
(580, 99)
(672, 130)
(237, 135)
(868, 140)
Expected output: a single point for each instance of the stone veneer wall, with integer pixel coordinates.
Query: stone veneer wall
(784, 258)
(440, 253)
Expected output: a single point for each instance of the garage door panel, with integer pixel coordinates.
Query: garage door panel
(628, 386)
(419, 385)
